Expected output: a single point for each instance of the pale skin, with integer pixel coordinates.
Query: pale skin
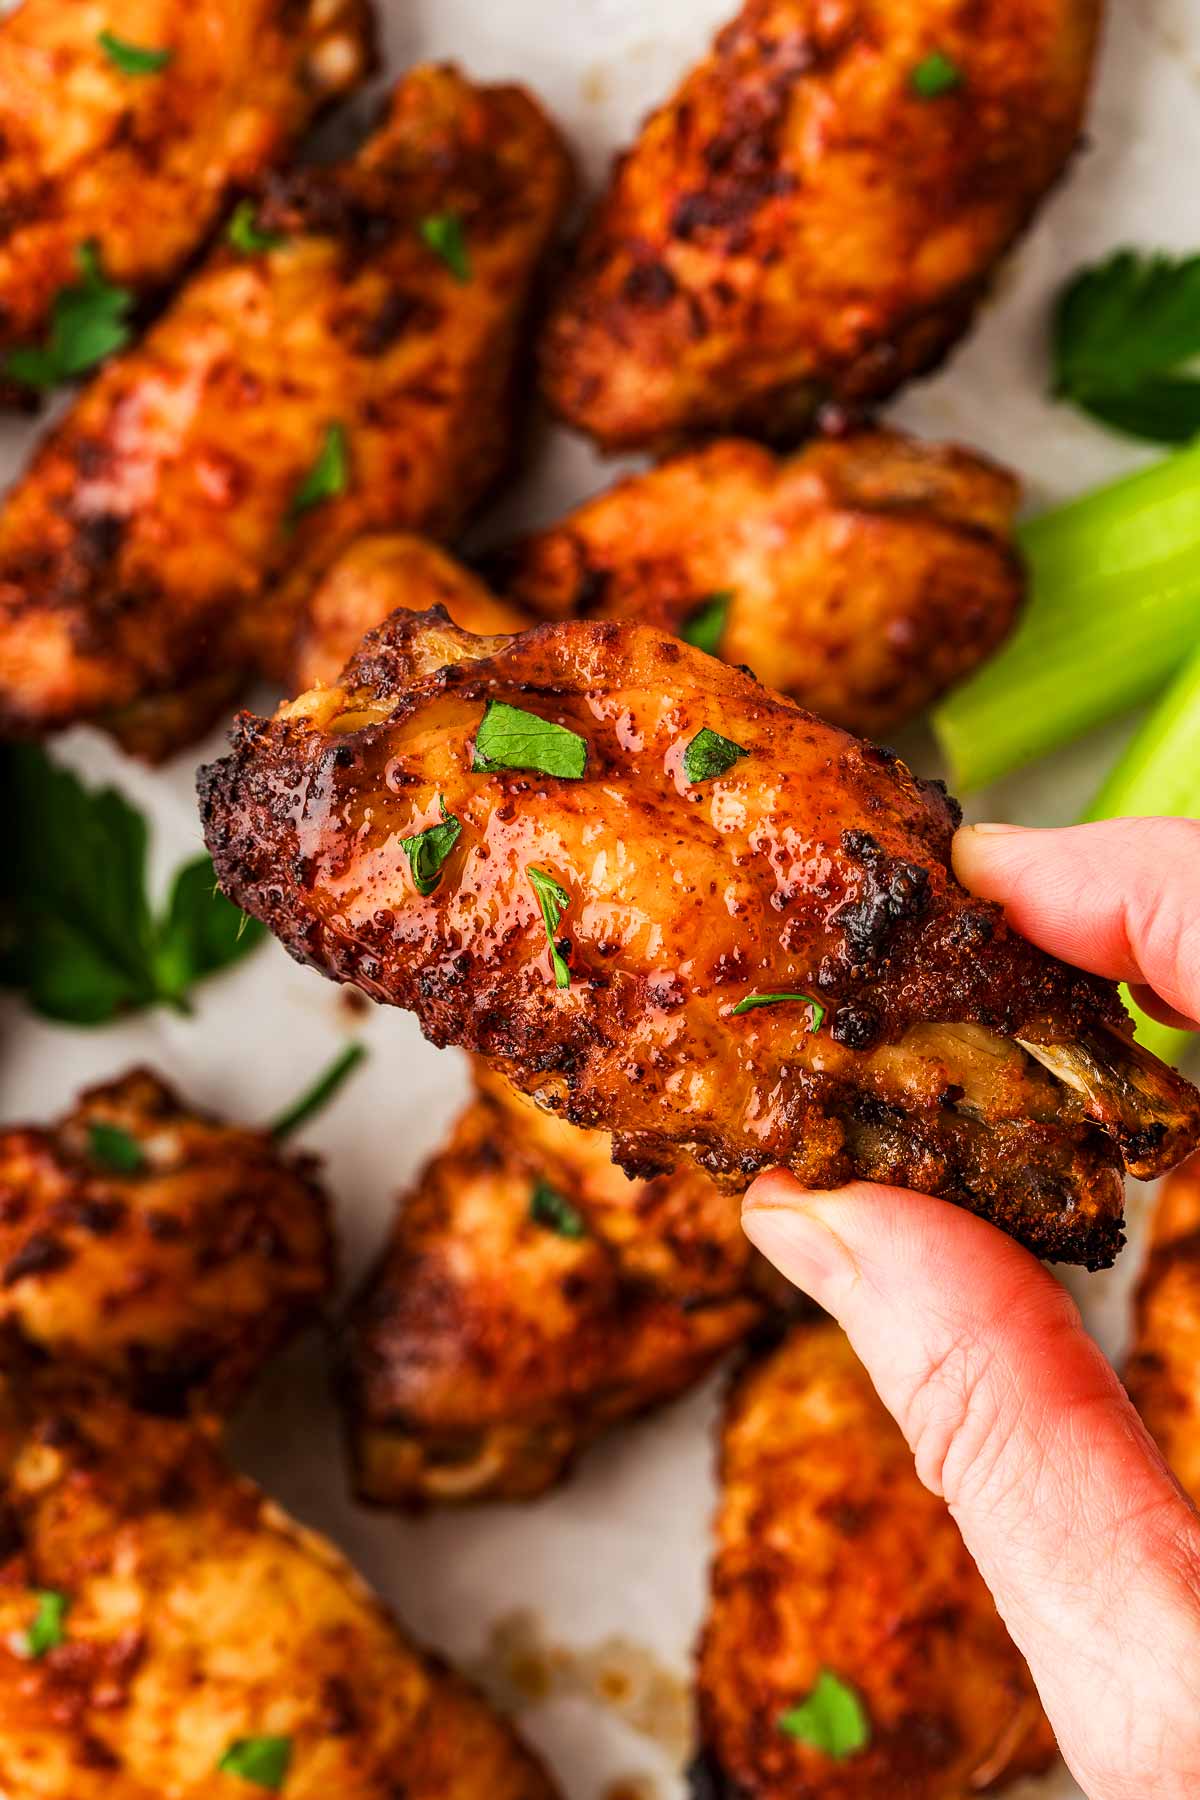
(1084, 1537)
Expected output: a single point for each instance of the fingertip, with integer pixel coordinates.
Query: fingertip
(980, 855)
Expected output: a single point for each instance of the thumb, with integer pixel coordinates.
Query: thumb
(1016, 1418)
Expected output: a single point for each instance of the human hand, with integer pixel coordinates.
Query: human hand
(1014, 1416)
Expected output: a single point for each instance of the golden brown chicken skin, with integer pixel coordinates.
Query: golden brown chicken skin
(153, 1249)
(863, 577)
(800, 225)
(501, 1332)
(139, 161)
(201, 1624)
(755, 953)
(289, 400)
(833, 1559)
(1163, 1372)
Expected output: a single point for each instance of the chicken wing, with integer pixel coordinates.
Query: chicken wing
(194, 1641)
(126, 123)
(356, 372)
(669, 904)
(1163, 1372)
(524, 1304)
(813, 217)
(863, 577)
(154, 1249)
(834, 1561)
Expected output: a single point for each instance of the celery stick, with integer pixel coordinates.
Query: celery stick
(1114, 607)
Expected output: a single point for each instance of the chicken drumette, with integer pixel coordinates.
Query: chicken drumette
(669, 904)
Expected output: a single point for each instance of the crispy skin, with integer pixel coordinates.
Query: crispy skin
(174, 1283)
(797, 227)
(831, 1555)
(1163, 1373)
(142, 166)
(866, 575)
(200, 1614)
(817, 864)
(487, 1349)
(138, 552)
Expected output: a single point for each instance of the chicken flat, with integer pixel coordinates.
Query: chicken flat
(166, 1630)
(669, 904)
(524, 1304)
(1163, 1373)
(352, 368)
(154, 1249)
(814, 215)
(128, 122)
(834, 1565)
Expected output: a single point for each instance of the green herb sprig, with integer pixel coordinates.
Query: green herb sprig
(554, 900)
(832, 1719)
(88, 322)
(328, 477)
(709, 755)
(262, 1761)
(49, 1626)
(753, 1001)
(934, 76)
(427, 850)
(133, 59)
(446, 235)
(510, 738)
(317, 1097)
(553, 1210)
(1125, 338)
(705, 626)
(114, 1148)
(244, 233)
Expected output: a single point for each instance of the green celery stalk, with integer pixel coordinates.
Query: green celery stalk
(1114, 606)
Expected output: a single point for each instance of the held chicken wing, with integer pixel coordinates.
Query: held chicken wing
(352, 368)
(863, 577)
(667, 903)
(166, 1630)
(154, 1250)
(126, 125)
(524, 1304)
(1163, 1373)
(814, 215)
(835, 1565)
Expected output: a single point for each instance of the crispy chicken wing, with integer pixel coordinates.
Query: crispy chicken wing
(832, 1558)
(814, 215)
(523, 1304)
(200, 1627)
(718, 925)
(863, 577)
(140, 160)
(358, 373)
(155, 1249)
(1163, 1373)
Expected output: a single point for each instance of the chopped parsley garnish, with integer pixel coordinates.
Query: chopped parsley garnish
(322, 1091)
(709, 755)
(244, 234)
(329, 475)
(445, 234)
(934, 76)
(553, 1210)
(753, 1001)
(554, 900)
(1125, 337)
(510, 738)
(832, 1719)
(88, 321)
(427, 850)
(705, 627)
(49, 1627)
(114, 1148)
(132, 59)
(264, 1761)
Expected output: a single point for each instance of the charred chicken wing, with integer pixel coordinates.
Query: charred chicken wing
(165, 1630)
(814, 215)
(524, 1304)
(668, 903)
(353, 369)
(835, 1564)
(863, 577)
(153, 1249)
(126, 123)
(1163, 1374)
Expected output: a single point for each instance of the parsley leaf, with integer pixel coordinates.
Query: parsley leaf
(88, 321)
(709, 755)
(131, 59)
(329, 475)
(1125, 339)
(753, 1001)
(934, 76)
(832, 1719)
(244, 234)
(114, 1148)
(322, 1091)
(445, 235)
(554, 901)
(509, 738)
(553, 1210)
(77, 933)
(428, 850)
(705, 626)
(49, 1627)
(264, 1761)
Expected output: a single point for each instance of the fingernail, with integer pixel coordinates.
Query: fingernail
(801, 1246)
(993, 828)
